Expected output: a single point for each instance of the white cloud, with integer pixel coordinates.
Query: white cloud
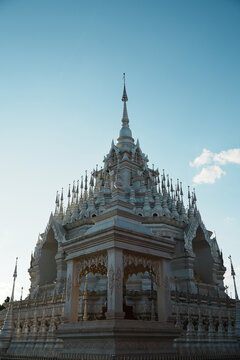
(229, 219)
(228, 156)
(213, 171)
(205, 158)
(208, 175)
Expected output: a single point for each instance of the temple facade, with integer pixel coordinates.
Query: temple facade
(125, 268)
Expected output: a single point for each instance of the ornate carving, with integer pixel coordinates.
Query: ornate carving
(190, 234)
(118, 279)
(111, 279)
(166, 282)
(95, 263)
(134, 263)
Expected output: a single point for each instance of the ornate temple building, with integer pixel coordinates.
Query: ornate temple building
(125, 268)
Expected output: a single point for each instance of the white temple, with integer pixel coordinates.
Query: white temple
(127, 269)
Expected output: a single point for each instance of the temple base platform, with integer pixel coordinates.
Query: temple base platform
(117, 337)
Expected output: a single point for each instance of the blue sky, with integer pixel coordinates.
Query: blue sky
(61, 65)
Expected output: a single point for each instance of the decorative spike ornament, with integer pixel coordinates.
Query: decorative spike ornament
(175, 214)
(56, 212)
(168, 183)
(77, 191)
(157, 206)
(181, 191)
(171, 188)
(91, 183)
(8, 326)
(86, 182)
(189, 197)
(233, 276)
(61, 215)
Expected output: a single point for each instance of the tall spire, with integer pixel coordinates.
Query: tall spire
(233, 275)
(125, 120)
(125, 135)
(8, 326)
(14, 280)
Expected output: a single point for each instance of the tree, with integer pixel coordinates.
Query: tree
(2, 307)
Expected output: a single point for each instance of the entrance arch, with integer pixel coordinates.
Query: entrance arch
(203, 263)
(47, 263)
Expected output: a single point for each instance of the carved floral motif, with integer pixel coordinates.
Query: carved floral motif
(94, 263)
(190, 234)
(118, 279)
(134, 263)
(111, 279)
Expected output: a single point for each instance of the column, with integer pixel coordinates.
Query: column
(115, 284)
(71, 301)
(163, 291)
(61, 272)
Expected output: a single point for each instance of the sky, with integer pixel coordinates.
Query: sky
(61, 66)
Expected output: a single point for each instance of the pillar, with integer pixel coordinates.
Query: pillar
(72, 292)
(115, 284)
(163, 291)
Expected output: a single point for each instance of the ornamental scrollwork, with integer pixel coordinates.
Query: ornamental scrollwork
(111, 279)
(190, 234)
(136, 263)
(118, 279)
(94, 263)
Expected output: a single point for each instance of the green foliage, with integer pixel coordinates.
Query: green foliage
(5, 301)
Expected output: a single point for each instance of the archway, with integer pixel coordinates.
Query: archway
(92, 297)
(203, 263)
(139, 292)
(47, 263)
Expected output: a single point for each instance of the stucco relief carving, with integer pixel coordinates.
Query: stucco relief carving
(95, 263)
(111, 279)
(134, 263)
(190, 234)
(58, 230)
(118, 279)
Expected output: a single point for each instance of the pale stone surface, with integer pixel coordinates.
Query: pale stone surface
(154, 272)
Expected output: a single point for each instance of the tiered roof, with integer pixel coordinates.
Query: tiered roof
(125, 169)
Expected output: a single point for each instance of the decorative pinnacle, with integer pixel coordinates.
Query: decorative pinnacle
(15, 270)
(124, 97)
(233, 275)
(21, 293)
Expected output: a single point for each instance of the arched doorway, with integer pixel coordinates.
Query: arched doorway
(47, 263)
(203, 263)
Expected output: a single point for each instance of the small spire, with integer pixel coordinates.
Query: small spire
(57, 205)
(86, 179)
(69, 196)
(21, 293)
(124, 97)
(233, 275)
(171, 189)
(189, 196)
(14, 280)
(77, 190)
(168, 183)
(57, 199)
(125, 135)
(81, 187)
(181, 191)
